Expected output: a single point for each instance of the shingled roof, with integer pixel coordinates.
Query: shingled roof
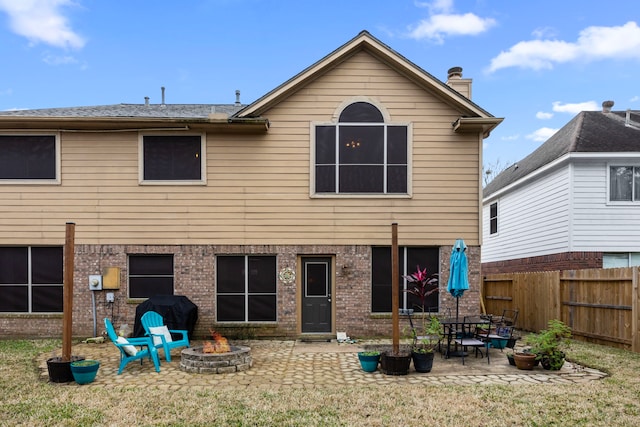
(174, 111)
(588, 132)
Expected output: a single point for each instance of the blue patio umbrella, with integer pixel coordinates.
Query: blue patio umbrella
(458, 272)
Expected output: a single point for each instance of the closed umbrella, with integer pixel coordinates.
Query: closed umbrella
(458, 272)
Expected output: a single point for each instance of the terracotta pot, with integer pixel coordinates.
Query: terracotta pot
(525, 361)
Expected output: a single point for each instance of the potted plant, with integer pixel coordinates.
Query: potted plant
(59, 369)
(425, 344)
(429, 331)
(369, 360)
(547, 345)
(510, 358)
(84, 371)
(525, 359)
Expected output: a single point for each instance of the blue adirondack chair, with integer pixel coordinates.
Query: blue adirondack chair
(164, 338)
(128, 350)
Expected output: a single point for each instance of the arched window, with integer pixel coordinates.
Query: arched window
(361, 154)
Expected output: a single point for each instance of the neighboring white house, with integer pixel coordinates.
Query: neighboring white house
(573, 203)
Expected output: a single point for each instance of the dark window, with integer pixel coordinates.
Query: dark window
(31, 279)
(246, 288)
(172, 158)
(367, 156)
(27, 157)
(409, 259)
(493, 218)
(624, 183)
(150, 275)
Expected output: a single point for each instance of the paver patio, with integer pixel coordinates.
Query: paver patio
(296, 364)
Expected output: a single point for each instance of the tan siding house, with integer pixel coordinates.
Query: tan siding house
(274, 218)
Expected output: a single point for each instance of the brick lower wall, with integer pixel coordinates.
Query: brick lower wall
(559, 261)
(194, 270)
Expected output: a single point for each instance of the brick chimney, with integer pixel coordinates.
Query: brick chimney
(457, 83)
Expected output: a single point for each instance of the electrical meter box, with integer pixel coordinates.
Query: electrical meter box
(95, 282)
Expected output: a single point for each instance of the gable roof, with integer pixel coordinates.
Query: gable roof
(588, 132)
(366, 42)
(227, 117)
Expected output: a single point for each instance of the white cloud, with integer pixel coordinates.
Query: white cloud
(510, 137)
(442, 23)
(42, 21)
(559, 107)
(541, 134)
(594, 43)
(634, 98)
(542, 115)
(6, 92)
(59, 60)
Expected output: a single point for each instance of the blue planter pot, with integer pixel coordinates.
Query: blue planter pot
(499, 343)
(84, 371)
(368, 363)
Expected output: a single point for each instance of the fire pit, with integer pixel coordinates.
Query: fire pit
(216, 358)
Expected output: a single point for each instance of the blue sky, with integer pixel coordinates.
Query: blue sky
(535, 63)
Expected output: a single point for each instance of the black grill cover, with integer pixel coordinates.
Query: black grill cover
(177, 311)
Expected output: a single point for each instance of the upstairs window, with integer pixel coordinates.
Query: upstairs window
(361, 154)
(493, 218)
(28, 157)
(624, 183)
(175, 158)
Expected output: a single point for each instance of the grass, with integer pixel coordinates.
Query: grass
(614, 401)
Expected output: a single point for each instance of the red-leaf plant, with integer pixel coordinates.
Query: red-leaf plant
(422, 285)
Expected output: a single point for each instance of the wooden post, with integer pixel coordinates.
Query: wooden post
(67, 291)
(395, 289)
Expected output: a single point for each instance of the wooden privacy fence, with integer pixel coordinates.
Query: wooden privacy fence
(600, 305)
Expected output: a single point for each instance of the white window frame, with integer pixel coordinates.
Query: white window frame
(203, 159)
(54, 181)
(608, 183)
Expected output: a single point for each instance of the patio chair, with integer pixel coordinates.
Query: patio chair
(470, 337)
(162, 336)
(505, 328)
(128, 350)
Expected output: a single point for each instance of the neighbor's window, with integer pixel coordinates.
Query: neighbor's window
(150, 275)
(622, 259)
(172, 158)
(361, 154)
(624, 183)
(27, 157)
(246, 288)
(31, 279)
(493, 218)
(409, 259)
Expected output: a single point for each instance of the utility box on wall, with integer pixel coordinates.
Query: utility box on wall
(111, 278)
(95, 282)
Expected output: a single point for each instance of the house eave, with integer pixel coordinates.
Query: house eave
(112, 124)
(482, 125)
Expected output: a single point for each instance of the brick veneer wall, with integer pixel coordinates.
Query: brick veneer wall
(559, 261)
(194, 269)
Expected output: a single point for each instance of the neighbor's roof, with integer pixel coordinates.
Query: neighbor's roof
(588, 132)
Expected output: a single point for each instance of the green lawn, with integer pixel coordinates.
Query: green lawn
(614, 401)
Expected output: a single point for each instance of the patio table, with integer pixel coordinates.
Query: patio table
(452, 327)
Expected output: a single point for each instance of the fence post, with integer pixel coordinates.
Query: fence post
(635, 311)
